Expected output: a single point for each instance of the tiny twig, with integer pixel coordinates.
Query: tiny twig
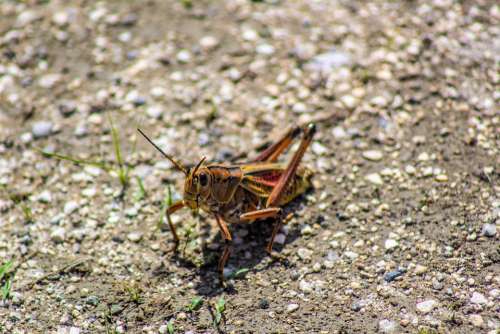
(63, 269)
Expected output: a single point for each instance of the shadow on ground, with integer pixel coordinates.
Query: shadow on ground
(247, 256)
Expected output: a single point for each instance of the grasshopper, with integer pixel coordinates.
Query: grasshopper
(244, 192)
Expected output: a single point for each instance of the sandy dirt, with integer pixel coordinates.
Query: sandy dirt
(400, 233)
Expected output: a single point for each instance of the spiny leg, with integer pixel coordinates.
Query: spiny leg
(281, 187)
(173, 208)
(227, 247)
(277, 226)
(272, 153)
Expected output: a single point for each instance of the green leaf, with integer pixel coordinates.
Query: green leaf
(170, 326)
(220, 307)
(195, 304)
(4, 268)
(239, 272)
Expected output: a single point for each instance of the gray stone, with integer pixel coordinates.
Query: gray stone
(70, 207)
(209, 43)
(49, 80)
(489, 230)
(305, 286)
(155, 111)
(134, 236)
(58, 234)
(476, 320)
(374, 178)
(478, 298)
(328, 61)
(304, 253)
(391, 244)
(42, 129)
(387, 326)
(373, 155)
(292, 307)
(426, 306)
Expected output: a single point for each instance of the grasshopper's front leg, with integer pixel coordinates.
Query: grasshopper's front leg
(173, 208)
(227, 247)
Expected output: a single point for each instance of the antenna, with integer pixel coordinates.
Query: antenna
(176, 164)
(198, 165)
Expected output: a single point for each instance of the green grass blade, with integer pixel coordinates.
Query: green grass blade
(73, 160)
(170, 327)
(239, 273)
(6, 289)
(168, 199)
(4, 268)
(141, 193)
(116, 143)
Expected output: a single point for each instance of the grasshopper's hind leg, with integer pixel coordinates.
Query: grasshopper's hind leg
(274, 200)
(272, 153)
(272, 208)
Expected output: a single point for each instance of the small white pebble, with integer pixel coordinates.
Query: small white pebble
(280, 238)
(351, 255)
(319, 149)
(70, 207)
(374, 178)
(391, 244)
(305, 286)
(42, 129)
(489, 230)
(208, 43)
(58, 235)
(478, 298)
(426, 306)
(45, 196)
(373, 155)
(184, 56)
(304, 253)
(134, 236)
(306, 230)
(441, 178)
(265, 49)
(476, 320)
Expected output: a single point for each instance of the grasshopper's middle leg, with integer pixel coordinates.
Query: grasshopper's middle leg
(173, 208)
(227, 247)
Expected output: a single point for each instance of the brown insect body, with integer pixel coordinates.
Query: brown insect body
(232, 190)
(245, 192)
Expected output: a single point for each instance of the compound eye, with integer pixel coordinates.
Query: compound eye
(203, 179)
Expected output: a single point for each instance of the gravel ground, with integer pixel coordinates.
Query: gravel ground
(399, 235)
